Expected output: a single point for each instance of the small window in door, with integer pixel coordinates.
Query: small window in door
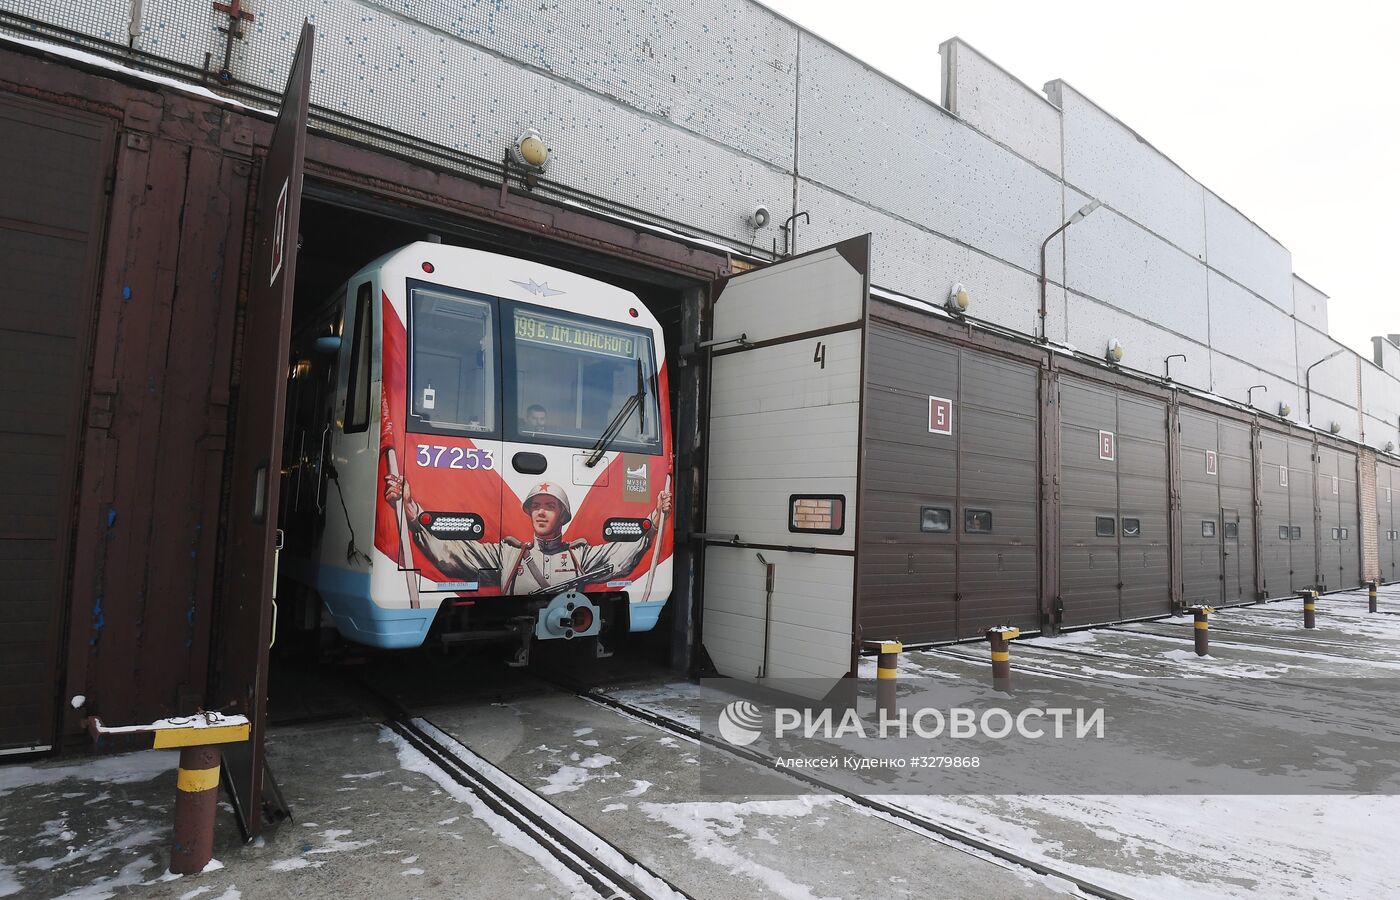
(935, 519)
(1132, 528)
(1336, 534)
(977, 521)
(1208, 528)
(817, 514)
(1296, 533)
(357, 389)
(1346, 534)
(1232, 530)
(1283, 532)
(1104, 526)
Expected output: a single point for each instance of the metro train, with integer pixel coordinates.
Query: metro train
(478, 446)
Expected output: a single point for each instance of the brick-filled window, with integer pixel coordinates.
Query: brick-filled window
(817, 513)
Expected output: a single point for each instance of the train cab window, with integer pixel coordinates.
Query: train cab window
(1296, 533)
(573, 379)
(357, 389)
(1105, 526)
(935, 519)
(1132, 528)
(1208, 528)
(1283, 532)
(1232, 530)
(452, 362)
(977, 521)
(813, 514)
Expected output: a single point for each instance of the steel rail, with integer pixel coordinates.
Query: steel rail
(867, 806)
(600, 876)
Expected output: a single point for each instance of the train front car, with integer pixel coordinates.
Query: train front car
(522, 478)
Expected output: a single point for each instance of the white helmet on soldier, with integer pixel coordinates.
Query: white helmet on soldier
(549, 489)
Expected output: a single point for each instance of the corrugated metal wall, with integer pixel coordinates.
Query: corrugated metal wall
(1217, 498)
(52, 206)
(1113, 460)
(1388, 515)
(949, 534)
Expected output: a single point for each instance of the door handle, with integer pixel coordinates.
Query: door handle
(278, 540)
(321, 468)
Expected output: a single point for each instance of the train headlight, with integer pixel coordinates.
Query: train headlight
(453, 526)
(625, 530)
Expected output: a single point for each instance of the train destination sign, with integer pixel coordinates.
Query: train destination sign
(573, 336)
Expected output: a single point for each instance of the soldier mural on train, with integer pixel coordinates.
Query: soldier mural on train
(545, 563)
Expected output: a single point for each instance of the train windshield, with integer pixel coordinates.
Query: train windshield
(571, 377)
(452, 373)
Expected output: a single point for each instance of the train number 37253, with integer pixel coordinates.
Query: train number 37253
(433, 456)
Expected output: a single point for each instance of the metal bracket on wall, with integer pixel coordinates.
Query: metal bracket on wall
(688, 350)
(237, 15)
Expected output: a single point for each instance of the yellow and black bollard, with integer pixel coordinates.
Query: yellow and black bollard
(1310, 609)
(886, 676)
(198, 738)
(1000, 638)
(1202, 629)
(1371, 596)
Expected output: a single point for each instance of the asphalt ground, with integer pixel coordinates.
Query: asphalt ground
(368, 819)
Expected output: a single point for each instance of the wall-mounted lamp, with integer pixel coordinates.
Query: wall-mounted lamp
(1284, 410)
(1389, 446)
(1335, 427)
(1307, 379)
(1114, 353)
(1250, 395)
(957, 299)
(529, 151)
(1083, 211)
(760, 217)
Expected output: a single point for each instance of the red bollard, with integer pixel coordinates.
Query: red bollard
(1310, 609)
(1000, 639)
(1202, 616)
(196, 801)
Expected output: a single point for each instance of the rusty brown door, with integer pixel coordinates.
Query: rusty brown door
(240, 654)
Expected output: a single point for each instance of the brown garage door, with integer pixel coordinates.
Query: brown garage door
(52, 166)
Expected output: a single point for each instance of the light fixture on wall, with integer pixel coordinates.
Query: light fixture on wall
(529, 151)
(1114, 353)
(1078, 216)
(759, 217)
(1307, 380)
(957, 299)
(1389, 446)
(1335, 427)
(1284, 410)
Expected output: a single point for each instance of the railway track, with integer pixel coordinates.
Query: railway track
(607, 870)
(944, 834)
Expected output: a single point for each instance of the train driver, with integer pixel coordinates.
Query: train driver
(546, 563)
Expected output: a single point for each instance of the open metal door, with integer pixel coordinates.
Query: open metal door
(783, 466)
(244, 625)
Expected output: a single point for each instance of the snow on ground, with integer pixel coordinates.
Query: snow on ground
(714, 831)
(571, 778)
(414, 761)
(1197, 847)
(123, 769)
